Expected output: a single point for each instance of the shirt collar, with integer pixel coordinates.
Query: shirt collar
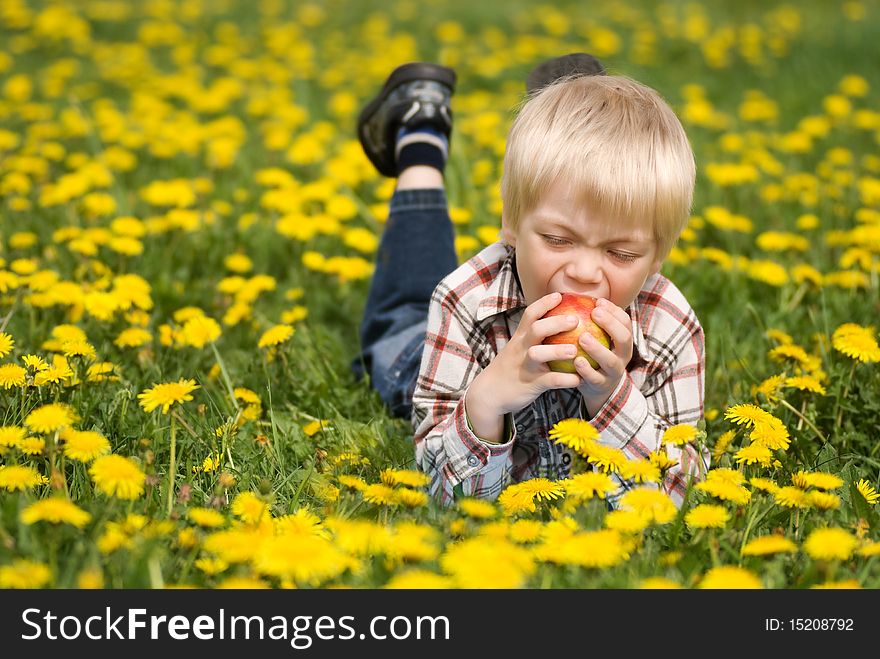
(504, 294)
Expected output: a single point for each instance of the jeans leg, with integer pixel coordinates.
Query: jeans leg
(416, 251)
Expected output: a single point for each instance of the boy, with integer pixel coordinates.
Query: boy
(597, 186)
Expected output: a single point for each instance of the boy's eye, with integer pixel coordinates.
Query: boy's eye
(553, 240)
(624, 257)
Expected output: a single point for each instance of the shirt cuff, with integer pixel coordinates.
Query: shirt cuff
(623, 414)
(468, 454)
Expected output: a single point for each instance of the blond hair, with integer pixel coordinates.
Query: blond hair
(614, 142)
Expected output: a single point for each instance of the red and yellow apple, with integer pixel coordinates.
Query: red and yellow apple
(580, 306)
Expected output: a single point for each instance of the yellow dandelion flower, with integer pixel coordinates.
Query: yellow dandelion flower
(51, 417)
(32, 445)
(768, 544)
(640, 471)
(199, 331)
(526, 530)
(166, 395)
(754, 453)
(680, 434)
(770, 433)
(35, 362)
(856, 342)
(242, 583)
(607, 458)
(730, 576)
(725, 491)
(55, 510)
(118, 476)
(101, 372)
(805, 383)
(627, 521)
(823, 500)
(869, 549)
(354, 482)
(577, 434)
(818, 479)
(515, 500)
(411, 498)
(585, 486)
(745, 414)
(133, 337)
(249, 507)
(90, 579)
(830, 544)
(592, 549)
(658, 583)
(487, 563)
(78, 349)
(12, 375)
(207, 517)
(866, 490)
(11, 435)
(312, 428)
(7, 343)
(722, 444)
(770, 388)
(19, 477)
(651, 502)
(23, 573)
(408, 477)
(791, 497)
(477, 508)
(305, 560)
(84, 445)
(303, 521)
(211, 565)
(275, 336)
(707, 516)
(419, 579)
(662, 460)
(763, 484)
(847, 584)
(380, 495)
(792, 353)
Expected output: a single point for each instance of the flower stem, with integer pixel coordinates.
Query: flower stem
(172, 467)
(845, 392)
(818, 432)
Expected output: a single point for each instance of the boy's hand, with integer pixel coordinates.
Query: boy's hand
(599, 383)
(519, 372)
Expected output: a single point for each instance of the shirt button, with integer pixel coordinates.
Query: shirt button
(519, 427)
(473, 460)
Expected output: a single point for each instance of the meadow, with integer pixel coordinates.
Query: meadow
(187, 228)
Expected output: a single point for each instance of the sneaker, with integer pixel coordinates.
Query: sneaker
(573, 64)
(415, 94)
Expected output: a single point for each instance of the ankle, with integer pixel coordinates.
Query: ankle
(420, 177)
(421, 146)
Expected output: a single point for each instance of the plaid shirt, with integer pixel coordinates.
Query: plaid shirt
(473, 313)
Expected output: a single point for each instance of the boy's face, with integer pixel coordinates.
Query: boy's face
(561, 246)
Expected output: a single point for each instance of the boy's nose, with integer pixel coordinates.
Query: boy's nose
(585, 268)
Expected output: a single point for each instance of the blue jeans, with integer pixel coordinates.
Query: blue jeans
(417, 250)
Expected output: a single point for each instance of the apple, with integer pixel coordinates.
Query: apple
(580, 306)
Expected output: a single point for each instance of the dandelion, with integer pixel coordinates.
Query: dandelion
(577, 434)
(585, 486)
(830, 544)
(729, 576)
(380, 495)
(12, 375)
(83, 445)
(640, 471)
(354, 482)
(805, 383)
(249, 507)
(19, 477)
(419, 579)
(658, 583)
(866, 490)
(411, 498)
(242, 583)
(477, 508)
(627, 521)
(35, 362)
(754, 453)
(791, 497)
(763, 484)
(721, 445)
(78, 349)
(167, 394)
(11, 435)
(607, 458)
(725, 491)
(211, 565)
(769, 544)
(655, 504)
(818, 479)
(32, 445)
(662, 460)
(745, 414)
(49, 418)
(7, 343)
(23, 573)
(823, 500)
(680, 434)
(118, 476)
(303, 522)
(770, 387)
(275, 336)
(770, 433)
(487, 563)
(408, 477)
(206, 517)
(306, 560)
(705, 516)
(856, 342)
(133, 337)
(592, 549)
(55, 510)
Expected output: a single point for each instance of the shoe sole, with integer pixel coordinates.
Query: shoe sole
(403, 74)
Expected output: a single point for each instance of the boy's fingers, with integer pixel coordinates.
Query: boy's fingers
(543, 354)
(544, 327)
(553, 380)
(540, 306)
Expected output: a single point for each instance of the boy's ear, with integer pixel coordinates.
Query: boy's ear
(507, 234)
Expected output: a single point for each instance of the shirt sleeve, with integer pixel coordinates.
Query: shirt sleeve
(445, 446)
(634, 420)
